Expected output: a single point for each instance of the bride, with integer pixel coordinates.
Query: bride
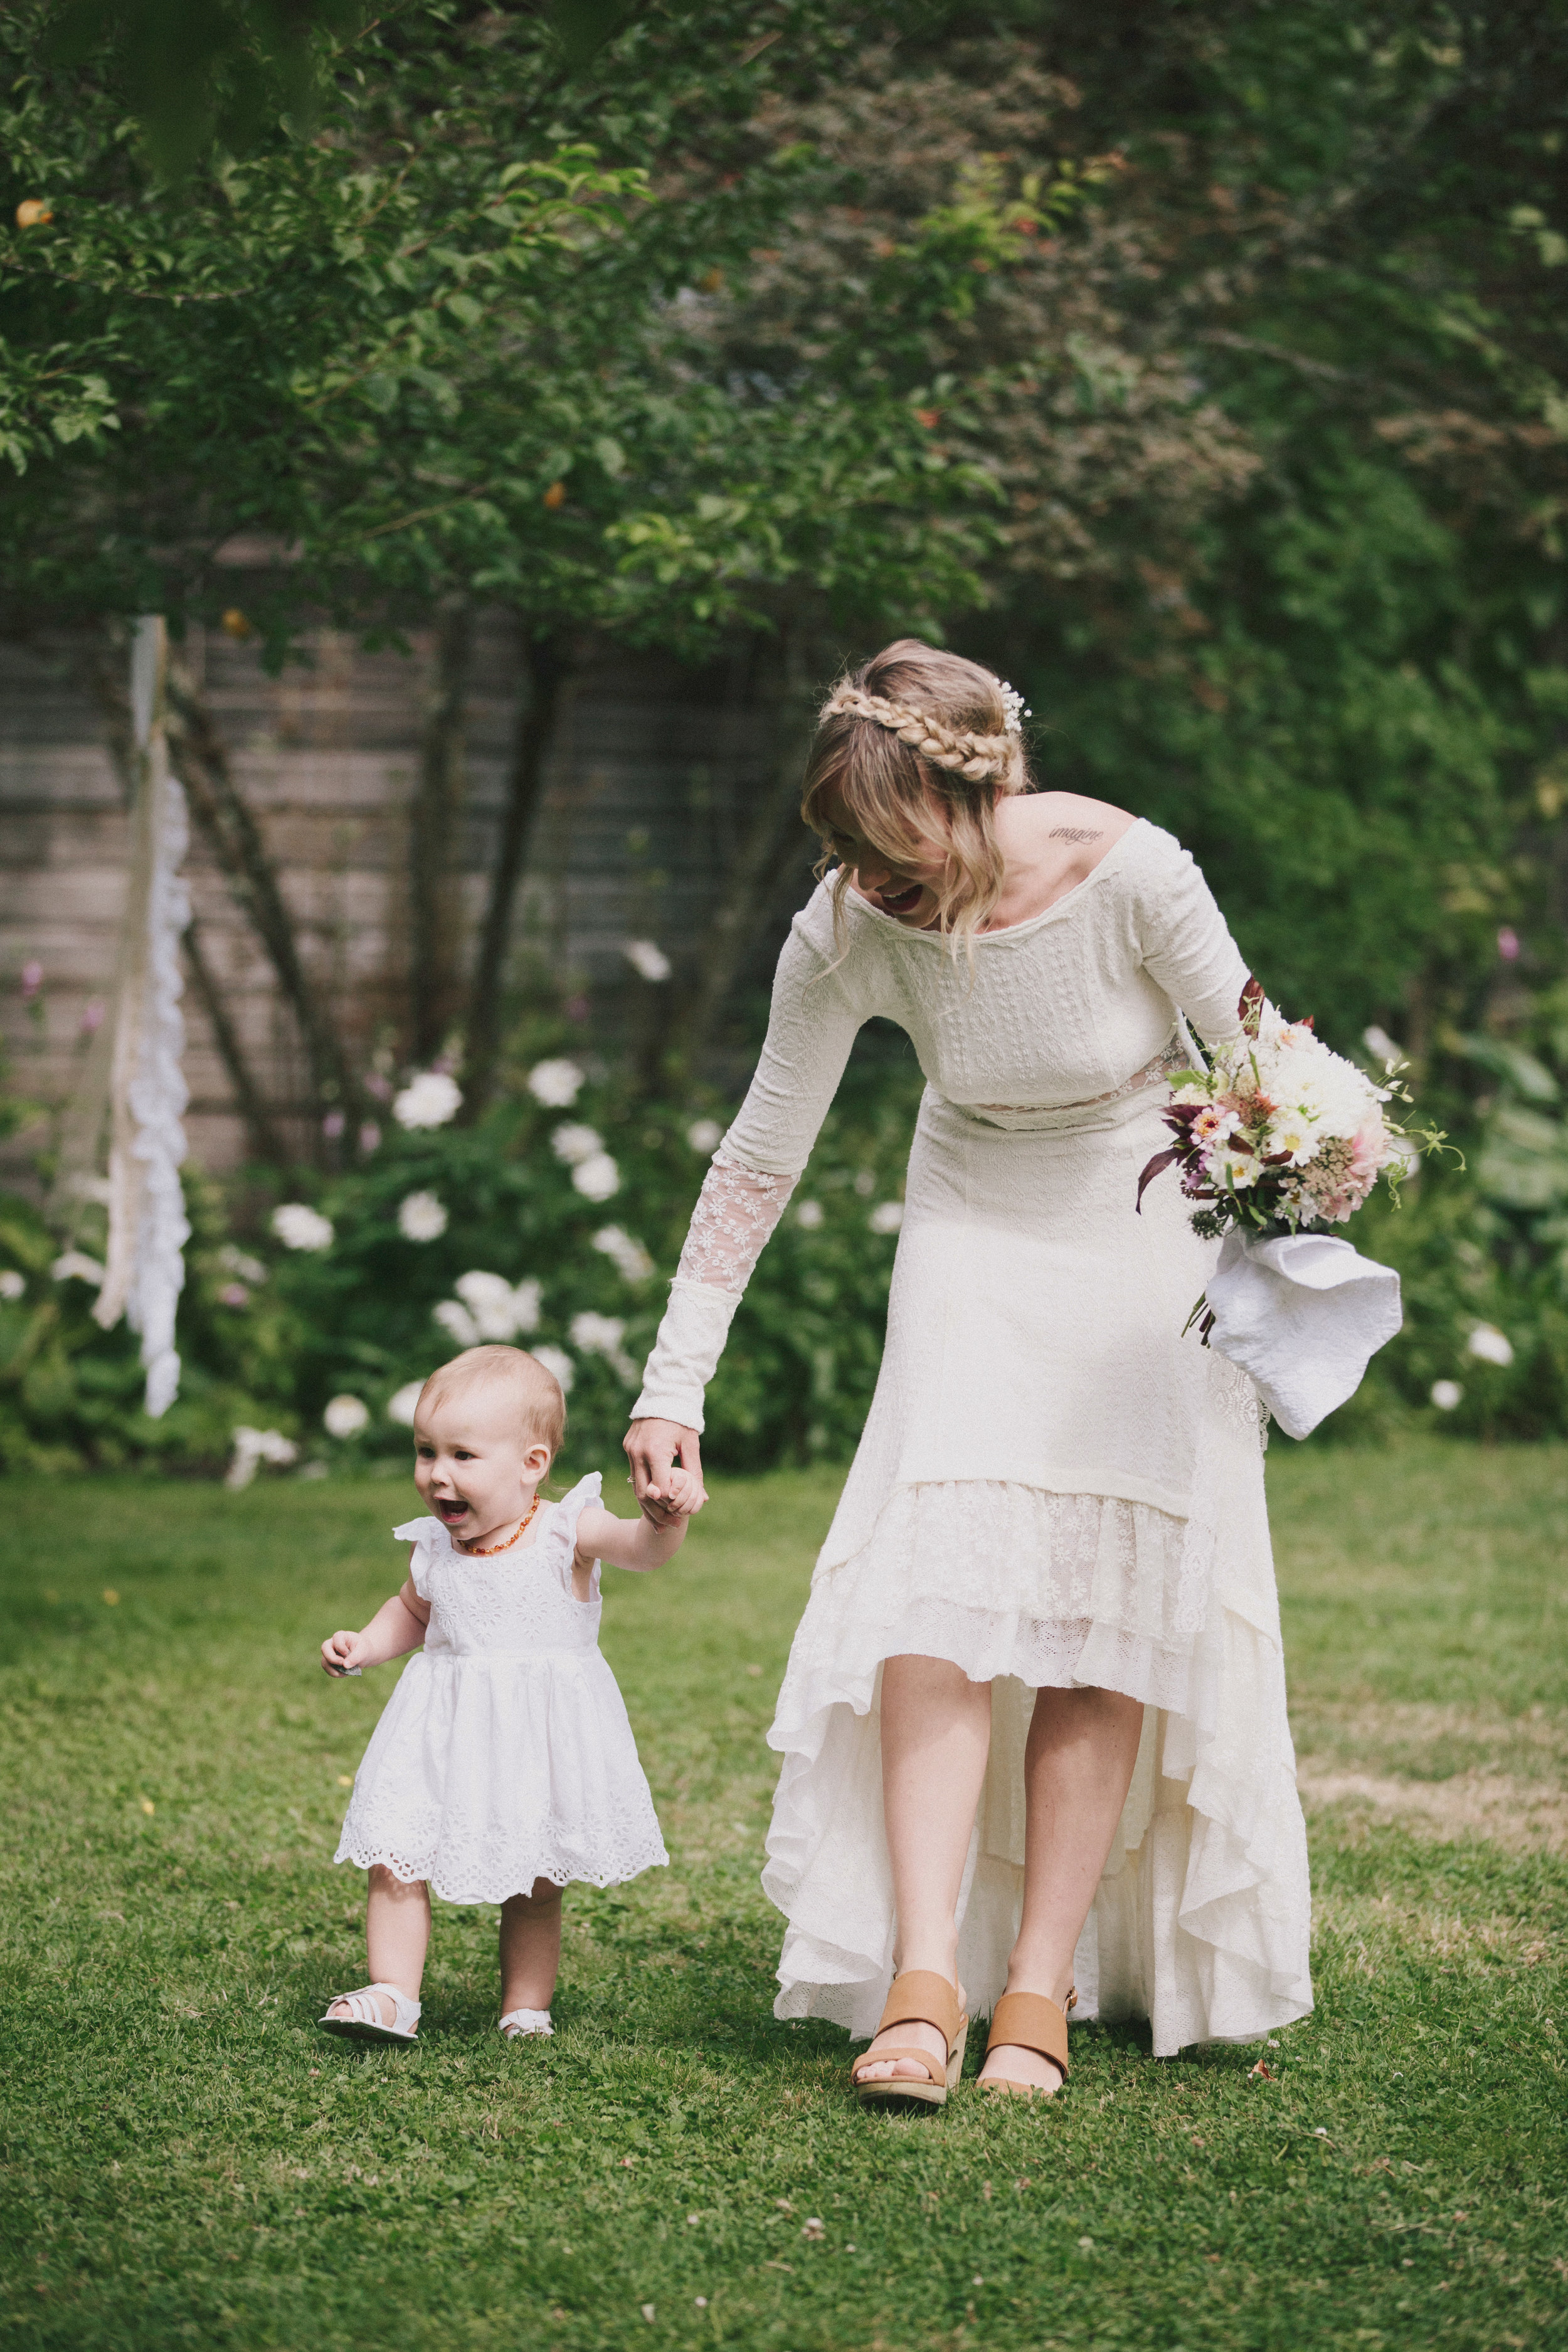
(1032, 1726)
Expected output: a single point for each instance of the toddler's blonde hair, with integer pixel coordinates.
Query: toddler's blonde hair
(541, 1402)
(939, 744)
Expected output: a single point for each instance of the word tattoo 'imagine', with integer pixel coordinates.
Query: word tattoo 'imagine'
(1074, 833)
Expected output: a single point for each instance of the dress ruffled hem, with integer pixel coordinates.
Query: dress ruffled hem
(556, 1857)
(1201, 1921)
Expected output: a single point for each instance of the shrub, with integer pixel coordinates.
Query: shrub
(555, 1222)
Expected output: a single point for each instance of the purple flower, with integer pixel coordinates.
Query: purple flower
(369, 1135)
(1508, 945)
(379, 1086)
(91, 1018)
(332, 1125)
(234, 1294)
(32, 979)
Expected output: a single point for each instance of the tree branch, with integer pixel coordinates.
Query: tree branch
(262, 1135)
(199, 758)
(774, 815)
(546, 671)
(432, 819)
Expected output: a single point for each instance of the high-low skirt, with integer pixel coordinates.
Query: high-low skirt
(1054, 1488)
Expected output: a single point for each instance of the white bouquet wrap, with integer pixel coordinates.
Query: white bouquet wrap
(1278, 1134)
(1303, 1314)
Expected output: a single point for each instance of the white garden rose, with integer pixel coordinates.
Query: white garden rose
(556, 1360)
(556, 1084)
(345, 1416)
(573, 1142)
(601, 1334)
(76, 1267)
(400, 1406)
(596, 1178)
(886, 1217)
(13, 1285)
(457, 1323)
(500, 1309)
(429, 1099)
(646, 960)
(705, 1135)
(251, 1448)
(421, 1218)
(1492, 1346)
(240, 1261)
(1446, 1394)
(631, 1260)
(809, 1214)
(488, 1307)
(302, 1228)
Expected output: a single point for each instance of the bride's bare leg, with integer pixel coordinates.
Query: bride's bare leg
(936, 1735)
(1078, 1766)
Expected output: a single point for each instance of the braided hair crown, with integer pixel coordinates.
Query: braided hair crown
(920, 746)
(978, 754)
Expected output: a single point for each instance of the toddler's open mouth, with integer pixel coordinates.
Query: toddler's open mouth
(450, 1511)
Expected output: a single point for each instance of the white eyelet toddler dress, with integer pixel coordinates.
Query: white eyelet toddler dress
(505, 1754)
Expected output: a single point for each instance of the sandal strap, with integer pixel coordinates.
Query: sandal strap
(526, 2020)
(365, 2009)
(1027, 2020)
(921, 1997)
(935, 2070)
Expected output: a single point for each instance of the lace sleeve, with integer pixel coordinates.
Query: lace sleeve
(736, 1210)
(813, 1024)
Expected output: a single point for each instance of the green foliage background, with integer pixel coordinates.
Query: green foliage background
(1203, 369)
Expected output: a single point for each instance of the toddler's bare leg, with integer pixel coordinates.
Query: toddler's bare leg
(397, 1930)
(530, 1947)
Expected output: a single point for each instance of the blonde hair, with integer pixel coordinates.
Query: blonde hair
(918, 733)
(541, 1402)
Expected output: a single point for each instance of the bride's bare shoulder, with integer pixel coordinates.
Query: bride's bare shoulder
(1073, 817)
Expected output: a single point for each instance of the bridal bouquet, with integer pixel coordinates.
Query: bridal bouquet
(1279, 1133)
(1276, 1136)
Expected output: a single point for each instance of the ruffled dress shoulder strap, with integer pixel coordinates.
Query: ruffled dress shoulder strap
(566, 1513)
(561, 1533)
(430, 1541)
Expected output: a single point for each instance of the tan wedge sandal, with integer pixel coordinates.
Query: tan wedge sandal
(1027, 2020)
(919, 1997)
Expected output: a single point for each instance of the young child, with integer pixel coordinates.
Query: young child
(504, 1764)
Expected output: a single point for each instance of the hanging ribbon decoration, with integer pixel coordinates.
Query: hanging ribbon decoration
(147, 1230)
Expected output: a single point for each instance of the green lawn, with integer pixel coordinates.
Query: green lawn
(189, 2162)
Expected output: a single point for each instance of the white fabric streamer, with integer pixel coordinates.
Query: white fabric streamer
(147, 1224)
(1303, 1315)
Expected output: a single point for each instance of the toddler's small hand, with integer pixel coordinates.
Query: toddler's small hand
(338, 1653)
(684, 1493)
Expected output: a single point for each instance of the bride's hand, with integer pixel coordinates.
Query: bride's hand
(651, 1448)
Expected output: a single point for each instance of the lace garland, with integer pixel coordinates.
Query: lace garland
(147, 1224)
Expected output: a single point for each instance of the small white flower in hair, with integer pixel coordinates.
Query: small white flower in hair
(1014, 709)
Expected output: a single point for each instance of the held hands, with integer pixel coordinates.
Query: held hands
(683, 1492)
(667, 1471)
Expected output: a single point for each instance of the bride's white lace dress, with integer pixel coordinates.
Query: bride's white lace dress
(1053, 1486)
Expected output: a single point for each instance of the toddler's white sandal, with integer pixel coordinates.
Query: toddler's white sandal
(363, 2022)
(522, 2024)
